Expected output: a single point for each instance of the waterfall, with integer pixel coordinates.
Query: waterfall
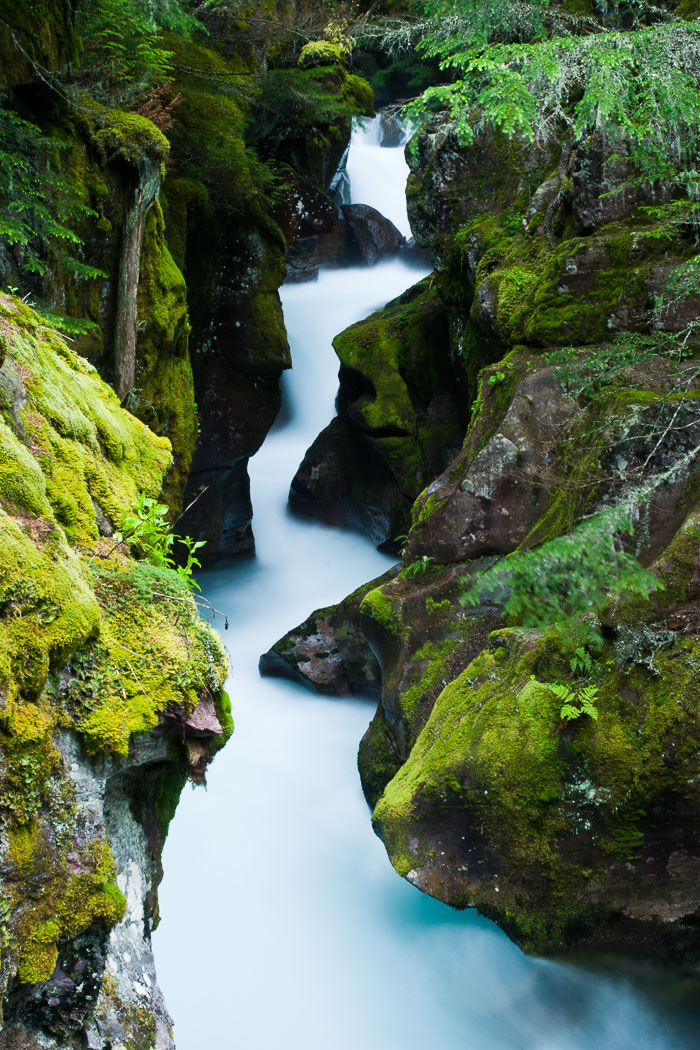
(284, 926)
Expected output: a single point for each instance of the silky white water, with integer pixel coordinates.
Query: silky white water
(378, 175)
(284, 926)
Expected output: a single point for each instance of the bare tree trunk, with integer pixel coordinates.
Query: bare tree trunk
(137, 207)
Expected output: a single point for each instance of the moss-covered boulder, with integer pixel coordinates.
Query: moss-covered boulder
(401, 417)
(562, 831)
(101, 697)
(565, 828)
(543, 247)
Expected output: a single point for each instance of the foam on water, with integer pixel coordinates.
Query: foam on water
(378, 174)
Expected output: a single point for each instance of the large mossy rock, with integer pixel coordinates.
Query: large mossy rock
(543, 247)
(401, 417)
(328, 652)
(106, 707)
(564, 832)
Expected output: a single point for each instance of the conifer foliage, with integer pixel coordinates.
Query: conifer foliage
(39, 207)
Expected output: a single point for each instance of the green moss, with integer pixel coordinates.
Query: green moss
(66, 904)
(402, 355)
(426, 505)
(322, 53)
(186, 206)
(49, 608)
(68, 427)
(358, 93)
(78, 448)
(89, 640)
(500, 740)
(267, 321)
(377, 759)
(126, 135)
(22, 483)
(514, 288)
(39, 954)
(165, 399)
(434, 658)
(676, 565)
(223, 710)
(380, 608)
(92, 898)
(117, 689)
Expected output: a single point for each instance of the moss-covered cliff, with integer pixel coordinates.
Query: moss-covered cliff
(111, 696)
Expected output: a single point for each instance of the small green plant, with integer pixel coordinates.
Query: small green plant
(576, 702)
(148, 532)
(581, 662)
(500, 377)
(70, 326)
(186, 571)
(418, 568)
(401, 542)
(513, 222)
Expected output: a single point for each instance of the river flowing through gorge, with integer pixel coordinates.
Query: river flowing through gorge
(284, 924)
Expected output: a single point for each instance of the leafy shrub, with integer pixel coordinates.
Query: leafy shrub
(567, 581)
(39, 208)
(148, 532)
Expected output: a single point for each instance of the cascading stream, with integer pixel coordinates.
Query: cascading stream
(284, 925)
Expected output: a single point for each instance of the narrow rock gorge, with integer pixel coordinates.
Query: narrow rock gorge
(489, 442)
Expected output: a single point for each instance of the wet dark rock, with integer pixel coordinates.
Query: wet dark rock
(343, 480)
(374, 235)
(328, 652)
(328, 249)
(392, 129)
(239, 402)
(487, 501)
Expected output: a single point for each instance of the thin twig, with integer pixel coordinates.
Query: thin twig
(124, 647)
(199, 600)
(137, 679)
(189, 506)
